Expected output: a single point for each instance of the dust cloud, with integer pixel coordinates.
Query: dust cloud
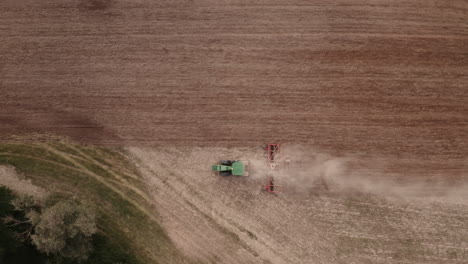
(305, 168)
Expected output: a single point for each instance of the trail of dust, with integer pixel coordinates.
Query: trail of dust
(309, 168)
(10, 179)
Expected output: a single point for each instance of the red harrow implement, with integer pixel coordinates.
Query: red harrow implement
(273, 155)
(272, 186)
(273, 150)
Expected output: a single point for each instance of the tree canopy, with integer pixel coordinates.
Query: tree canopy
(65, 229)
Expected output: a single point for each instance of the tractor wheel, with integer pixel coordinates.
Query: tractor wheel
(225, 173)
(225, 162)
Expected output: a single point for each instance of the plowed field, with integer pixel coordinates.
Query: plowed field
(384, 83)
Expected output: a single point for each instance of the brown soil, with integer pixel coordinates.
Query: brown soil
(388, 77)
(383, 82)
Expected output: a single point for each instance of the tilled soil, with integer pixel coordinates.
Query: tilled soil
(381, 77)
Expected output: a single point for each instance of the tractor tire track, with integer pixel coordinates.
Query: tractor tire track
(192, 188)
(106, 182)
(190, 199)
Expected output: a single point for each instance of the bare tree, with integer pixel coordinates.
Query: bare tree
(64, 229)
(23, 224)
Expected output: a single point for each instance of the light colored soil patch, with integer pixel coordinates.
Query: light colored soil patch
(230, 220)
(10, 178)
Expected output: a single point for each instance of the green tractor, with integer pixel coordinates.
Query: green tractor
(231, 167)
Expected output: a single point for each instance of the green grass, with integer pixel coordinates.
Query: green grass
(29, 150)
(105, 250)
(100, 177)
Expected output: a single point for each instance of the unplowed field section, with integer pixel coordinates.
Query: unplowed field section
(377, 77)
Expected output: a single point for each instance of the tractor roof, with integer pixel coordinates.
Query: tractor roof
(238, 168)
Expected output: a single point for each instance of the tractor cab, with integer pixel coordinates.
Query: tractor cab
(231, 167)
